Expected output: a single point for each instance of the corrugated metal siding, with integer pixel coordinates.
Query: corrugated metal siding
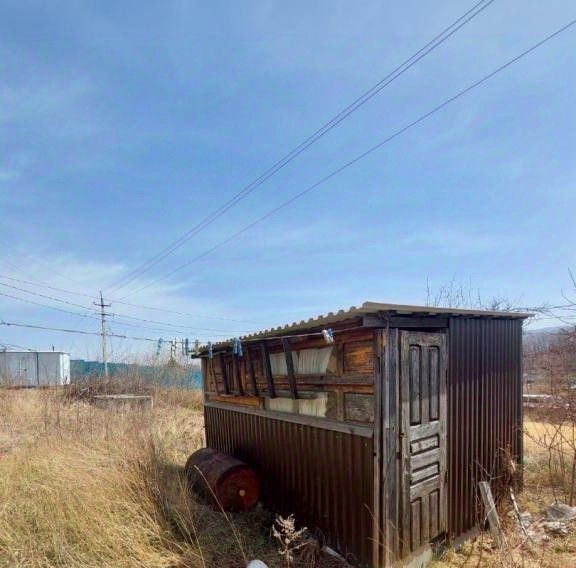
(484, 410)
(324, 477)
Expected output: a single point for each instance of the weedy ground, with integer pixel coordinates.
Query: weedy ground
(82, 486)
(542, 486)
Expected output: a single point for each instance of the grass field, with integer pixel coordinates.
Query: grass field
(82, 486)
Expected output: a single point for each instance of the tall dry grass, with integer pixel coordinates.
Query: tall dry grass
(540, 490)
(82, 486)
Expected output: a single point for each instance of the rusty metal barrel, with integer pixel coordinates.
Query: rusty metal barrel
(225, 481)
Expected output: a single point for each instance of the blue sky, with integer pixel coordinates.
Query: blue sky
(123, 124)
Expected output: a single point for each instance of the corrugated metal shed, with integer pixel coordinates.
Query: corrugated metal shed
(354, 482)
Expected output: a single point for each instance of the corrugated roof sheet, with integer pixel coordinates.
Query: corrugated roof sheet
(368, 308)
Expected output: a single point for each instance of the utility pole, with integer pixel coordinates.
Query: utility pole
(103, 315)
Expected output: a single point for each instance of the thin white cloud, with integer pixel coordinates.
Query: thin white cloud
(67, 272)
(455, 242)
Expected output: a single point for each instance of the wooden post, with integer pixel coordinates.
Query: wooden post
(290, 368)
(390, 465)
(236, 371)
(518, 514)
(224, 374)
(267, 370)
(212, 372)
(250, 372)
(491, 514)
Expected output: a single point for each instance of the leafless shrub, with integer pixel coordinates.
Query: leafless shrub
(290, 539)
(455, 294)
(87, 389)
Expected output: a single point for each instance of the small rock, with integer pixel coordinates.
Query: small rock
(526, 519)
(561, 512)
(555, 527)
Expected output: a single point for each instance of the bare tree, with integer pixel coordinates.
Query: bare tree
(456, 294)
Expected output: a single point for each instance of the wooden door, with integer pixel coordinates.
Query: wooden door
(422, 439)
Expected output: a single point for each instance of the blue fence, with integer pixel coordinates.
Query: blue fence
(167, 376)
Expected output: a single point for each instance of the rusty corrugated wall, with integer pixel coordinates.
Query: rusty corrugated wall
(324, 477)
(484, 410)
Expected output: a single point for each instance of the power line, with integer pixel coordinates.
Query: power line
(27, 325)
(27, 301)
(180, 327)
(224, 333)
(358, 158)
(40, 284)
(6, 345)
(319, 133)
(62, 300)
(92, 297)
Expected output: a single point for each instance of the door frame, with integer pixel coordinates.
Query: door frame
(387, 440)
(426, 427)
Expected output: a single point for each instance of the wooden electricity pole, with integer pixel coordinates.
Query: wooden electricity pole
(103, 315)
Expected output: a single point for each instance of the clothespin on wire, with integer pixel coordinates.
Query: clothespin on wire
(210, 353)
(237, 347)
(328, 335)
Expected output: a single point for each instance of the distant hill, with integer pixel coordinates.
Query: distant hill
(541, 336)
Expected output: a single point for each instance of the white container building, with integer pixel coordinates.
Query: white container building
(34, 368)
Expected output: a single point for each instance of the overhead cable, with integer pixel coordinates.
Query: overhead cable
(31, 326)
(115, 301)
(314, 137)
(358, 158)
(173, 325)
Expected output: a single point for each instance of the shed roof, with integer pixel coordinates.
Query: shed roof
(368, 308)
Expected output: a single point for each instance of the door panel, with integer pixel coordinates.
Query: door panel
(423, 439)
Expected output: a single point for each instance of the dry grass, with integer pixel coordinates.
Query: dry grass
(83, 486)
(537, 495)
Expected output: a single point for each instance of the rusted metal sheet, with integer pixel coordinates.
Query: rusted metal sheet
(484, 412)
(324, 477)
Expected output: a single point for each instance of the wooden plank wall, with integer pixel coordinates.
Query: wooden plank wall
(349, 380)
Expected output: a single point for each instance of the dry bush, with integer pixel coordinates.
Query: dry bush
(84, 486)
(86, 389)
(556, 434)
(557, 442)
(539, 492)
(187, 398)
